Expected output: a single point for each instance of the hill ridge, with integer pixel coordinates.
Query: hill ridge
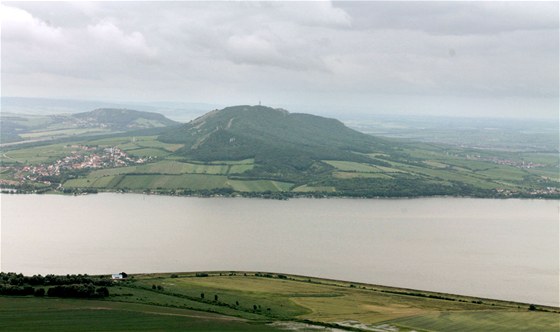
(124, 118)
(282, 143)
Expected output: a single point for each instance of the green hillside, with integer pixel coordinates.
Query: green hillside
(265, 152)
(284, 145)
(267, 135)
(123, 119)
(30, 127)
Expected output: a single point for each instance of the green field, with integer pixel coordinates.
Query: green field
(351, 175)
(148, 152)
(171, 167)
(352, 166)
(362, 168)
(327, 301)
(33, 314)
(37, 155)
(238, 169)
(198, 181)
(259, 185)
(306, 189)
(484, 175)
(481, 321)
(249, 301)
(61, 132)
(129, 143)
(113, 179)
(175, 167)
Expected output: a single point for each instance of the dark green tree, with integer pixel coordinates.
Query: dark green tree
(39, 292)
(532, 307)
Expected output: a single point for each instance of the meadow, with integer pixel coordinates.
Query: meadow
(49, 314)
(61, 132)
(249, 301)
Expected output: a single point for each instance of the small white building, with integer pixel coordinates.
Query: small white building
(116, 276)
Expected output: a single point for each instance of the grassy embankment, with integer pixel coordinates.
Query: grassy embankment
(249, 301)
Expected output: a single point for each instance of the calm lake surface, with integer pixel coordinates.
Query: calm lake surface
(505, 249)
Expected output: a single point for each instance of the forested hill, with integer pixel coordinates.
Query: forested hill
(276, 139)
(123, 119)
(16, 127)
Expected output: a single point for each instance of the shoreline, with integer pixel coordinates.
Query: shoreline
(274, 195)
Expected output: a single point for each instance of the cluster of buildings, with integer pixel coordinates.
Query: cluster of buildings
(106, 158)
(546, 191)
(83, 157)
(507, 162)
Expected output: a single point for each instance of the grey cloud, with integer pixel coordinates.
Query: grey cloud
(20, 26)
(451, 17)
(111, 37)
(350, 53)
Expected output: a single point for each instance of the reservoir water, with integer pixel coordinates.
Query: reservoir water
(504, 249)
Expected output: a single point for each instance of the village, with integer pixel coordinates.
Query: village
(532, 192)
(507, 162)
(81, 158)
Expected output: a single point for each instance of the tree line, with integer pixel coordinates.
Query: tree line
(74, 285)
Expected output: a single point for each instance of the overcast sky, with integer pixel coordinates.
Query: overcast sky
(453, 58)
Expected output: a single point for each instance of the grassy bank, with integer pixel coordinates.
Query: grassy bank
(247, 301)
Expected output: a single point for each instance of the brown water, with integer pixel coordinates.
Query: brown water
(505, 249)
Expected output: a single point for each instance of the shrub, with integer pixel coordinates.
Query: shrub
(532, 307)
(102, 291)
(39, 292)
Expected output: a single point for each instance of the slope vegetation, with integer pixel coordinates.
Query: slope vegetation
(124, 119)
(26, 127)
(282, 144)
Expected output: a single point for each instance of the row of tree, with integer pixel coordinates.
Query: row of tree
(77, 290)
(18, 279)
(71, 285)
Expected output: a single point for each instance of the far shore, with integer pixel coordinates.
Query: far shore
(271, 195)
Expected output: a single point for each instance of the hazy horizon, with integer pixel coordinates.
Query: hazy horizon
(489, 59)
(186, 111)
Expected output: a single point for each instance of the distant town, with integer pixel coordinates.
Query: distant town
(82, 157)
(508, 162)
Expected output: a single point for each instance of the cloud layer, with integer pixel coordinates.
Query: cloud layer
(498, 58)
